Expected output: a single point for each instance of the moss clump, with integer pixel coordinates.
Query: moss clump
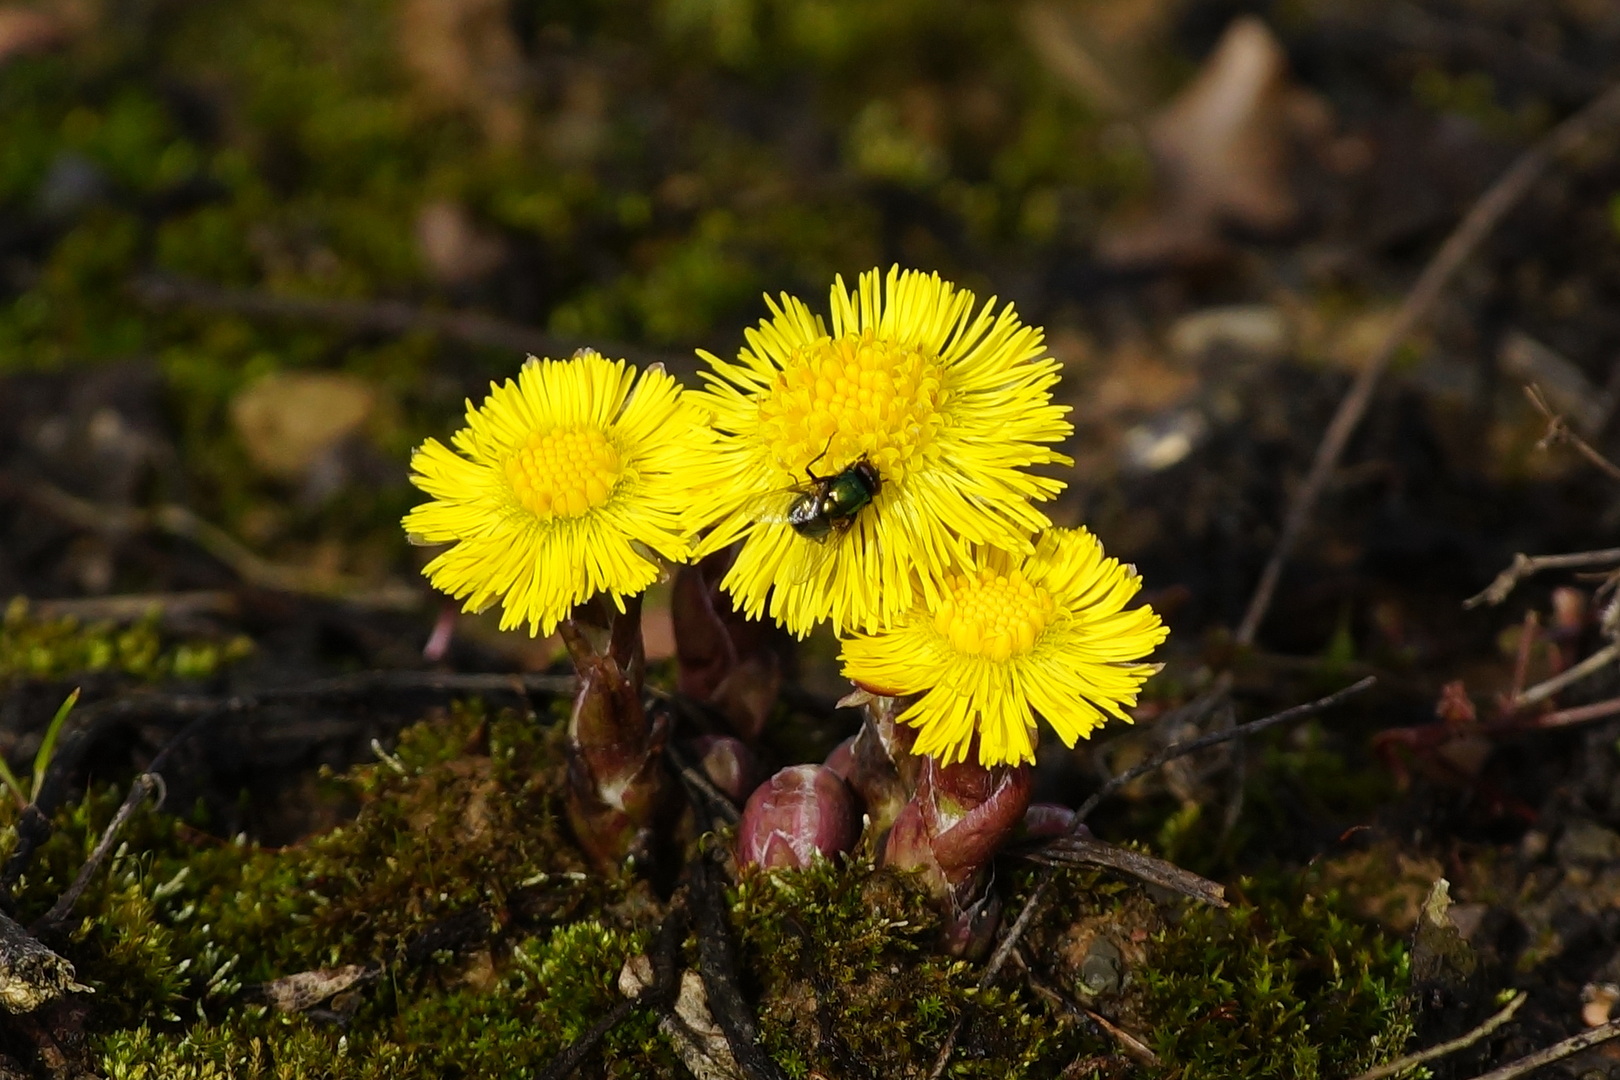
(456, 875)
(33, 648)
(1282, 985)
(495, 950)
(850, 983)
(485, 1023)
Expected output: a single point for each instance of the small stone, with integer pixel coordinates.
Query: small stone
(1588, 842)
(1253, 329)
(1101, 972)
(289, 421)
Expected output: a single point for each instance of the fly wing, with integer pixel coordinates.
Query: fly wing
(806, 556)
(772, 506)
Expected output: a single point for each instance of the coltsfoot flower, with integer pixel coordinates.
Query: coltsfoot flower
(1011, 638)
(915, 399)
(564, 484)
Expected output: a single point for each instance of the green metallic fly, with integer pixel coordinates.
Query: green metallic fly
(830, 503)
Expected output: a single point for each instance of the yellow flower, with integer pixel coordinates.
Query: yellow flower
(947, 405)
(567, 483)
(1013, 637)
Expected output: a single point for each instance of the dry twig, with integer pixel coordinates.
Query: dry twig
(1242, 731)
(717, 963)
(1580, 714)
(657, 994)
(1526, 565)
(391, 317)
(1569, 677)
(1132, 1046)
(34, 825)
(1462, 1042)
(132, 607)
(1556, 1052)
(1075, 850)
(1559, 431)
(174, 520)
(1475, 226)
(143, 787)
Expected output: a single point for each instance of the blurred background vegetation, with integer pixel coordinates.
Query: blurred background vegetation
(246, 225)
(610, 172)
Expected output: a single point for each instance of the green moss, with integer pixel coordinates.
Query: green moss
(850, 981)
(459, 827)
(447, 836)
(33, 648)
(1281, 985)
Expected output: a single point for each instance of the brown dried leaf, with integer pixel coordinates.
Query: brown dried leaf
(1223, 150)
(287, 422)
(307, 989)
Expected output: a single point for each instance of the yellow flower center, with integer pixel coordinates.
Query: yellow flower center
(853, 397)
(997, 616)
(564, 472)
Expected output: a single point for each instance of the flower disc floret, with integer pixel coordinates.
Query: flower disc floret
(565, 472)
(998, 616)
(568, 482)
(853, 397)
(1014, 637)
(948, 403)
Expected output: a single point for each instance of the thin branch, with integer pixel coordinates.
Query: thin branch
(1559, 431)
(1580, 714)
(1462, 1042)
(717, 964)
(143, 787)
(1471, 231)
(174, 520)
(1569, 677)
(1133, 1046)
(1526, 565)
(391, 317)
(132, 607)
(699, 785)
(1556, 1052)
(1242, 731)
(1074, 849)
(1015, 932)
(657, 994)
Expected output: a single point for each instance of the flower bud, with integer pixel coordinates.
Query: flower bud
(723, 659)
(619, 793)
(950, 831)
(960, 817)
(878, 763)
(1050, 821)
(800, 813)
(727, 763)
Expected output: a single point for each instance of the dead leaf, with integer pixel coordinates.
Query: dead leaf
(307, 989)
(1222, 150)
(289, 421)
(698, 1040)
